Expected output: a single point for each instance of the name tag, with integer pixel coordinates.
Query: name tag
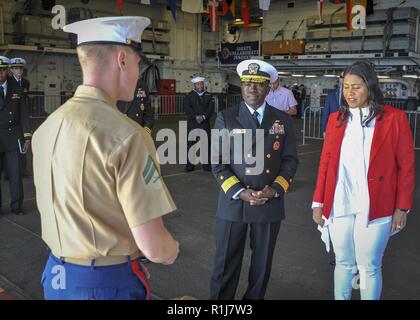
(238, 131)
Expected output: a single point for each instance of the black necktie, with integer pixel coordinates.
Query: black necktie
(255, 116)
(2, 92)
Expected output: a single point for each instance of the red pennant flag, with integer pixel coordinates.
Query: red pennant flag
(228, 9)
(213, 8)
(120, 4)
(320, 3)
(245, 12)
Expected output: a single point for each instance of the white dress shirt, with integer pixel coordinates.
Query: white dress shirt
(351, 191)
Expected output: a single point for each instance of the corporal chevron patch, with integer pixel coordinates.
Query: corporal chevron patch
(150, 174)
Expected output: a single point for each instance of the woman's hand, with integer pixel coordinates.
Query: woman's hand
(399, 220)
(317, 216)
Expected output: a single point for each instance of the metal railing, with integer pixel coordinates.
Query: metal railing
(232, 100)
(165, 105)
(312, 125)
(40, 106)
(414, 120)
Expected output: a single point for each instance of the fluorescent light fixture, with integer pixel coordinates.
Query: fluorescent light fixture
(238, 20)
(311, 76)
(383, 77)
(411, 76)
(330, 76)
(298, 75)
(283, 72)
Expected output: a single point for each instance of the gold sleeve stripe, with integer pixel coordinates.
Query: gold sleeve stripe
(148, 130)
(282, 182)
(229, 183)
(26, 135)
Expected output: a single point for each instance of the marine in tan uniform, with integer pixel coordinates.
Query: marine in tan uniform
(98, 185)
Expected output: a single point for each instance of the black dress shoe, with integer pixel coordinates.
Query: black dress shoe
(207, 168)
(18, 212)
(189, 168)
(144, 260)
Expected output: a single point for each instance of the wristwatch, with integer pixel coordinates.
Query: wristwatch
(404, 210)
(276, 195)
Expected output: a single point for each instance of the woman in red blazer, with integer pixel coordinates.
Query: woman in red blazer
(365, 182)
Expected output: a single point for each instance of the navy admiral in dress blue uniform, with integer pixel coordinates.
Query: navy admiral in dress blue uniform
(199, 107)
(17, 66)
(254, 201)
(139, 109)
(15, 134)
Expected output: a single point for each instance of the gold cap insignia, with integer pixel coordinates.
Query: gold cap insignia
(253, 68)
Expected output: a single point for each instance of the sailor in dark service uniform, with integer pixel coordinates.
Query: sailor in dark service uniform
(250, 199)
(17, 66)
(139, 109)
(199, 107)
(15, 134)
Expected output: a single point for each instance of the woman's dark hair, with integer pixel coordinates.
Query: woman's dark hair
(366, 72)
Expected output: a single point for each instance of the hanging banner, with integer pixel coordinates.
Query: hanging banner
(320, 5)
(233, 53)
(120, 5)
(213, 9)
(229, 9)
(245, 12)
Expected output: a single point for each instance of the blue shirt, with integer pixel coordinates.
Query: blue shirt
(260, 111)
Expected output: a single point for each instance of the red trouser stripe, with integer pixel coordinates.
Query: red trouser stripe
(136, 268)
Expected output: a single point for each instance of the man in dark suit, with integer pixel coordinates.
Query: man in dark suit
(332, 103)
(199, 107)
(17, 66)
(247, 198)
(15, 134)
(139, 109)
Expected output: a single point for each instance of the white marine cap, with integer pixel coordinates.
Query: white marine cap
(17, 62)
(257, 71)
(197, 79)
(125, 30)
(4, 62)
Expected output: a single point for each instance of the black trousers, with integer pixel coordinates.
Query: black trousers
(191, 143)
(23, 164)
(12, 164)
(230, 245)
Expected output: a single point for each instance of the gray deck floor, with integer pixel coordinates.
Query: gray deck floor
(301, 267)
